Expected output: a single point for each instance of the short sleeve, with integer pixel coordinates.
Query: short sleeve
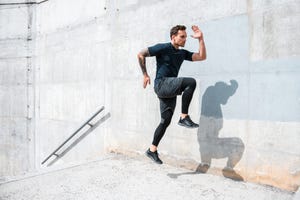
(188, 55)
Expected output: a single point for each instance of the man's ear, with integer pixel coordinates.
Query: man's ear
(172, 37)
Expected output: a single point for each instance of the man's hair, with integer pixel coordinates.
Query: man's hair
(175, 30)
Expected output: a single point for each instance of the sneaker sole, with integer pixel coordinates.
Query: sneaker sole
(191, 127)
(153, 159)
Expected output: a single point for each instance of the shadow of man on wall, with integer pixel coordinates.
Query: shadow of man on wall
(211, 122)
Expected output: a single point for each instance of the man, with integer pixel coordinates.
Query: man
(169, 57)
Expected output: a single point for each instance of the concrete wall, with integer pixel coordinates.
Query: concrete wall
(85, 57)
(52, 80)
(17, 141)
(255, 43)
(71, 75)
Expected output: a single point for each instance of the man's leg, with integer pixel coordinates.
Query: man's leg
(171, 87)
(167, 106)
(188, 86)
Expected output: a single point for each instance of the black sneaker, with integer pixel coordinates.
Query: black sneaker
(187, 122)
(154, 156)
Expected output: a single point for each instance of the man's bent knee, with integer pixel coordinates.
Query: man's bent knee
(193, 83)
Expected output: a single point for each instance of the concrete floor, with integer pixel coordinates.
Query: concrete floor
(120, 177)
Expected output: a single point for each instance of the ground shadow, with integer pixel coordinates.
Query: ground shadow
(210, 123)
(199, 170)
(74, 143)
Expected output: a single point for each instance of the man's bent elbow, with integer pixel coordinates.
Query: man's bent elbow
(199, 58)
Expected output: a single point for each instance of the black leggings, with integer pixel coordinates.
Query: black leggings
(188, 86)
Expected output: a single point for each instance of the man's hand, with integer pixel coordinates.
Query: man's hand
(146, 80)
(197, 32)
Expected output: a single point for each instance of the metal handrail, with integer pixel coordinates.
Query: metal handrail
(86, 123)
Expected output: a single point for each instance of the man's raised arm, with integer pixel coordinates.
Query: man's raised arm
(201, 55)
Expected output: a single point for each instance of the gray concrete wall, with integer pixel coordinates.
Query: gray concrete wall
(71, 76)
(254, 43)
(85, 57)
(17, 143)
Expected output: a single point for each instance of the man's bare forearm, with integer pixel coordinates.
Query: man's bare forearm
(201, 54)
(142, 60)
(202, 49)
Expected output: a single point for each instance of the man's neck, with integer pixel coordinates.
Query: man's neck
(174, 45)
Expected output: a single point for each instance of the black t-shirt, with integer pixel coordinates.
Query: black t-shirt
(168, 59)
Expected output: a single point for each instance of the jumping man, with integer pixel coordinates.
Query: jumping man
(169, 57)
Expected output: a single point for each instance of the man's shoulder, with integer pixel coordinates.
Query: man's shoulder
(162, 45)
(159, 48)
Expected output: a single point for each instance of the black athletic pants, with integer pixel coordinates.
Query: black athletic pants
(167, 89)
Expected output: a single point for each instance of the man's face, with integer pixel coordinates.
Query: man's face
(180, 38)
